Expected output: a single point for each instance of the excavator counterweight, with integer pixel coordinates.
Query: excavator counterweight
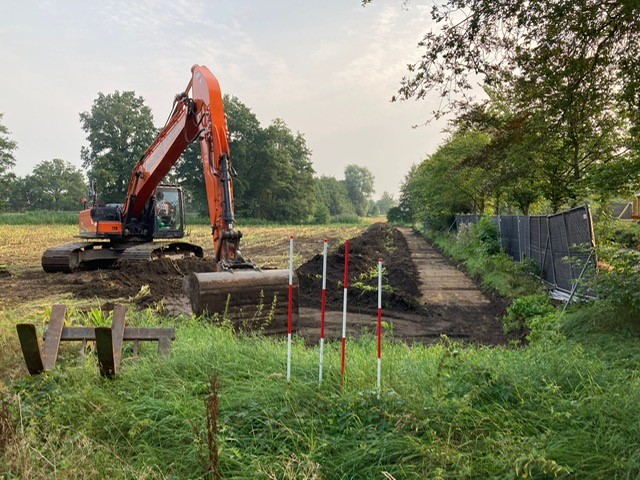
(153, 211)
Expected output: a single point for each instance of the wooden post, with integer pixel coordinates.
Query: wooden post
(54, 332)
(30, 347)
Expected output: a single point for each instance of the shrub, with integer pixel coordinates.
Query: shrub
(488, 234)
(466, 237)
(620, 232)
(321, 214)
(618, 281)
(524, 310)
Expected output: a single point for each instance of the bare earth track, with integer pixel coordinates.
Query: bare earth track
(447, 301)
(426, 298)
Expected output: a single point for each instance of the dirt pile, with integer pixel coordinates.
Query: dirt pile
(400, 277)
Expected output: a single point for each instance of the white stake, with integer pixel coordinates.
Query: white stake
(379, 325)
(290, 311)
(323, 307)
(343, 363)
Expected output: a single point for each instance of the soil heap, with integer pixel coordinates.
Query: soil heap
(400, 277)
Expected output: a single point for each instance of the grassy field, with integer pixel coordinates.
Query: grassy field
(565, 406)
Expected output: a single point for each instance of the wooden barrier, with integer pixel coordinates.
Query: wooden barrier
(108, 340)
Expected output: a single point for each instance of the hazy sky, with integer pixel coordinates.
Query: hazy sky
(328, 68)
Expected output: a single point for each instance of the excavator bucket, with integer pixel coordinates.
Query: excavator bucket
(252, 299)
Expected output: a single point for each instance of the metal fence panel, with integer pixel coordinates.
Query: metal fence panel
(510, 237)
(524, 237)
(538, 238)
(468, 219)
(581, 242)
(560, 253)
(562, 245)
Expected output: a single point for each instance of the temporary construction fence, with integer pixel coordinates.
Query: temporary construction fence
(562, 245)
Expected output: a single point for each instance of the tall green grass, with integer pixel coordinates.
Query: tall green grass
(39, 217)
(44, 217)
(557, 409)
(566, 406)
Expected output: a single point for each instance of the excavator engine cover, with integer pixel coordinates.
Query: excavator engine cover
(250, 298)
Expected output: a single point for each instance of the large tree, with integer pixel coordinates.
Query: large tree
(7, 160)
(385, 202)
(284, 187)
(443, 184)
(570, 71)
(359, 182)
(119, 129)
(54, 185)
(333, 194)
(589, 44)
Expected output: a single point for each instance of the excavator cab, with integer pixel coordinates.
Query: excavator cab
(169, 212)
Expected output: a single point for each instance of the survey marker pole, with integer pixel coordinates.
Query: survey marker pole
(290, 309)
(323, 308)
(344, 313)
(379, 325)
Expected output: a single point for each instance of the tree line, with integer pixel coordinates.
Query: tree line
(560, 121)
(274, 180)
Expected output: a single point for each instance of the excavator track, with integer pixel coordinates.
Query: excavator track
(69, 257)
(154, 250)
(93, 255)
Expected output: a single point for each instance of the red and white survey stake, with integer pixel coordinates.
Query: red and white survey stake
(379, 324)
(323, 308)
(344, 313)
(290, 310)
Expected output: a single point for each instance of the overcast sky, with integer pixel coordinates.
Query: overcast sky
(328, 68)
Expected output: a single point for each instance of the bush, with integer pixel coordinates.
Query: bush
(620, 232)
(321, 214)
(524, 310)
(488, 234)
(618, 281)
(399, 215)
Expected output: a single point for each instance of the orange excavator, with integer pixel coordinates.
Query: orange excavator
(155, 211)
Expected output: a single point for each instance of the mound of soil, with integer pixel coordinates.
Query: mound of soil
(399, 276)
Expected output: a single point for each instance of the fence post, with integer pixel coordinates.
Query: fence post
(519, 242)
(529, 242)
(551, 251)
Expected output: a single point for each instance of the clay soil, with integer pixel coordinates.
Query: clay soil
(425, 296)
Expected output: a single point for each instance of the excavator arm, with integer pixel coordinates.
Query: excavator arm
(198, 115)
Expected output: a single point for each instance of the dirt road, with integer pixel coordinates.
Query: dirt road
(451, 305)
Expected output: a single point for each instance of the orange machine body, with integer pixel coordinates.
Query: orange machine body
(91, 228)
